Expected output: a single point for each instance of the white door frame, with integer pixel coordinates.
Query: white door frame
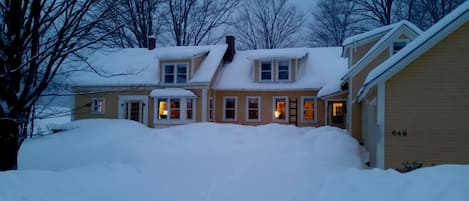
(126, 98)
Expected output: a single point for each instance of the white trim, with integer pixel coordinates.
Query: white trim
(378, 47)
(397, 40)
(287, 108)
(123, 99)
(204, 104)
(348, 123)
(277, 72)
(380, 140)
(258, 109)
(235, 108)
(182, 110)
(417, 49)
(315, 109)
(272, 66)
(93, 104)
(326, 114)
(175, 72)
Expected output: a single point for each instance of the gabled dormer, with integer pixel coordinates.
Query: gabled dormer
(174, 71)
(367, 50)
(275, 69)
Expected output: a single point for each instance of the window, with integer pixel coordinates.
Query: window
(175, 109)
(309, 109)
(266, 70)
(283, 70)
(229, 108)
(280, 108)
(252, 108)
(398, 45)
(175, 73)
(210, 109)
(189, 108)
(97, 105)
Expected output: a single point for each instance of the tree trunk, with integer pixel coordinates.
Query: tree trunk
(10, 143)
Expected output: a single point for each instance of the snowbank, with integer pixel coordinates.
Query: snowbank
(123, 160)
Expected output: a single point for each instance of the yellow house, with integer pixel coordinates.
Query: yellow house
(179, 85)
(416, 103)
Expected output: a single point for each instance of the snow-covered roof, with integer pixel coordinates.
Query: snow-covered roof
(333, 86)
(169, 92)
(140, 66)
(392, 30)
(419, 46)
(319, 66)
(276, 53)
(367, 34)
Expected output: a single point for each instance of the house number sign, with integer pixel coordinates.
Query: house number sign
(399, 133)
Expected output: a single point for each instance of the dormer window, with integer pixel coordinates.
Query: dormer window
(175, 73)
(398, 45)
(283, 70)
(266, 70)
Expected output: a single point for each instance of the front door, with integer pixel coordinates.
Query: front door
(134, 111)
(134, 108)
(336, 113)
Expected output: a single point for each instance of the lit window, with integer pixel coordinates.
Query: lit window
(162, 108)
(229, 108)
(189, 108)
(266, 70)
(97, 105)
(284, 70)
(175, 73)
(309, 109)
(176, 109)
(398, 45)
(280, 108)
(253, 108)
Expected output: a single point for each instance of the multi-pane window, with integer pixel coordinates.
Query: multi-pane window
(97, 105)
(283, 70)
(210, 109)
(175, 109)
(398, 45)
(309, 109)
(189, 108)
(280, 108)
(266, 70)
(253, 108)
(229, 108)
(175, 73)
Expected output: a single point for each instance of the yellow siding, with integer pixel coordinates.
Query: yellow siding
(360, 51)
(83, 105)
(429, 100)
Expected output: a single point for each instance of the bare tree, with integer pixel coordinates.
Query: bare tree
(268, 24)
(334, 20)
(190, 22)
(141, 19)
(37, 37)
(380, 11)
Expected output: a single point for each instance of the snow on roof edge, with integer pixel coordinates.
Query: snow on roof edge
(411, 47)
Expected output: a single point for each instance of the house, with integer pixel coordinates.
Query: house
(178, 85)
(364, 52)
(157, 87)
(416, 103)
(280, 86)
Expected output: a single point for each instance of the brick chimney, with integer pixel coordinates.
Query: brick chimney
(151, 42)
(231, 50)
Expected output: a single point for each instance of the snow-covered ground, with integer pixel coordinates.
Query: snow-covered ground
(113, 160)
